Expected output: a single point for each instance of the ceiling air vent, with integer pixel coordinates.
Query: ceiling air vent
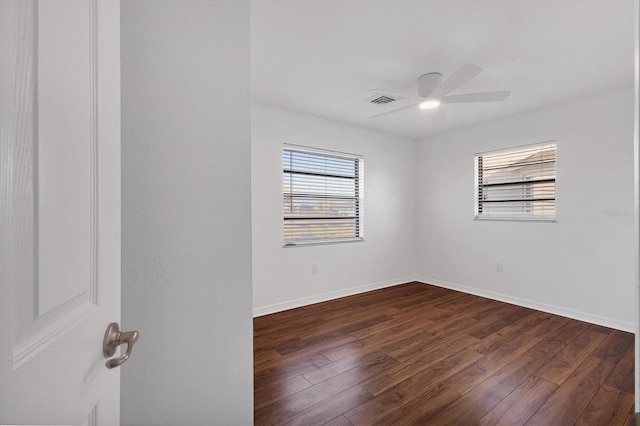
(381, 99)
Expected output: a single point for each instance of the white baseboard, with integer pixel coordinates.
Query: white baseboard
(552, 309)
(296, 303)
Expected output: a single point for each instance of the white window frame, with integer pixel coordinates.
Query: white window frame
(359, 198)
(522, 217)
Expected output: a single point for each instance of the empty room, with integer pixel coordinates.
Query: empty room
(319, 212)
(443, 212)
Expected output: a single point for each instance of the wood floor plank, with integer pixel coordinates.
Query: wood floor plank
(332, 406)
(562, 364)
(426, 405)
(273, 341)
(410, 388)
(278, 370)
(466, 410)
(355, 322)
(363, 300)
(292, 325)
(348, 349)
(362, 313)
(465, 380)
(600, 329)
(493, 342)
(265, 321)
(472, 406)
(500, 323)
(288, 363)
(458, 304)
(288, 407)
(397, 323)
(622, 377)
(609, 406)
(567, 403)
(339, 421)
(615, 346)
(405, 330)
(420, 354)
(554, 341)
(415, 364)
(272, 392)
(400, 300)
(521, 404)
(527, 323)
(345, 364)
(548, 326)
(329, 387)
(429, 343)
(265, 355)
(487, 310)
(386, 342)
(415, 302)
(508, 378)
(316, 344)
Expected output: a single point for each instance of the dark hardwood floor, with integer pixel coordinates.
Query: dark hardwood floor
(419, 354)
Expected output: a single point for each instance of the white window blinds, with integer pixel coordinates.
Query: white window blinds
(517, 183)
(322, 193)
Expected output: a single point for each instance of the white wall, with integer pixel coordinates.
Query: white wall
(186, 278)
(282, 277)
(583, 265)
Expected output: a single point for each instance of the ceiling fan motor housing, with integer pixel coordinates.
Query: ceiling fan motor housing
(428, 82)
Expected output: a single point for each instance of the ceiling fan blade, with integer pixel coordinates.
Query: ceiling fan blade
(476, 97)
(396, 94)
(436, 115)
(394, 110)
(463, 74)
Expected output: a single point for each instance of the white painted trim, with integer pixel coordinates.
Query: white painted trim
(49, 333)
(636, 196)
(91, 418)
(552, 309)
(296, 303)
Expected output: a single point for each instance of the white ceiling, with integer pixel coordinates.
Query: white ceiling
(322, 57)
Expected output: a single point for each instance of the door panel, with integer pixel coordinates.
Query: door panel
(66, 70)
(60, 192)
(64, 151)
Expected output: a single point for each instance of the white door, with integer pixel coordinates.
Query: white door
(59, 210)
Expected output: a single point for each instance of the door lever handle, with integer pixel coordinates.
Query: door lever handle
(113, 338)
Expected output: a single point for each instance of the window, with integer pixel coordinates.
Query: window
(322, 196)
(517, 184)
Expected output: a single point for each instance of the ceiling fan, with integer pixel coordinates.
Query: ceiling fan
(433, 91)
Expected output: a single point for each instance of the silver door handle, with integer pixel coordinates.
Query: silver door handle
(113, 338)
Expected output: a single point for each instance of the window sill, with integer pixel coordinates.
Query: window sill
(321, 243)
(516, 219)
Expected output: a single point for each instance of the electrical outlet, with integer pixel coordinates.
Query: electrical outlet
(498, 267)
(314, 268)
